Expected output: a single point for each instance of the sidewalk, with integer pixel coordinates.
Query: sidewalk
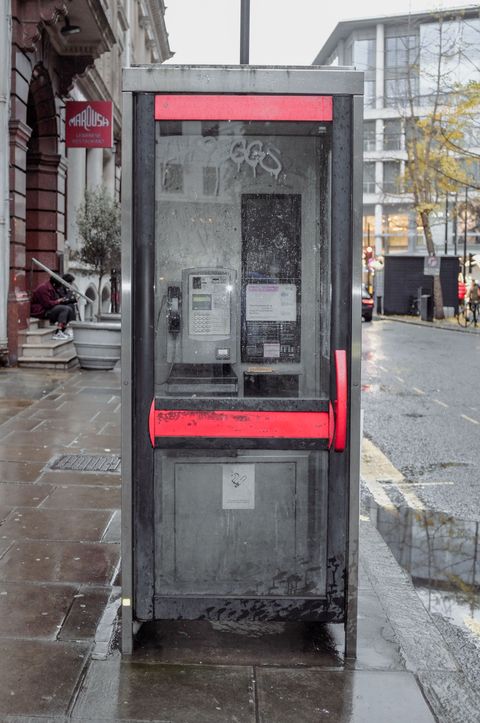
(59, 591)
(450, 324)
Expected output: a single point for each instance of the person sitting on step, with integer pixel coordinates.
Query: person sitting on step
(69, 296)
(46, 304)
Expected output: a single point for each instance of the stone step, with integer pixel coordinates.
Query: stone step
(36, 336)
(34, 323)
(40, 351)
(63, 361)
(49, 348)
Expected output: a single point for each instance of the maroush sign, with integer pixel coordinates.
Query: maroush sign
(88, 124)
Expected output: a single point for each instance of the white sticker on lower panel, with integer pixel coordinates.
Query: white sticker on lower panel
(238, 487)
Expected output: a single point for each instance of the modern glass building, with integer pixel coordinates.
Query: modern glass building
(402, 56)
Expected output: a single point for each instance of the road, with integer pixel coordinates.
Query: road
(421, 402)
(421, 468)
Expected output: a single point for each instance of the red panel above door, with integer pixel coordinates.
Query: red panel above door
(244, 107)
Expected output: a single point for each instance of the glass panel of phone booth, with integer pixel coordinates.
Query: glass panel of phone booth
(242, 272)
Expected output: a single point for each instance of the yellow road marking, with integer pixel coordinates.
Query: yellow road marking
(375, 468)
(379, 495)
(413, 501)
(472, 625)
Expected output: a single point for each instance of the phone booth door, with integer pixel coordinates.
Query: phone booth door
(249, 411)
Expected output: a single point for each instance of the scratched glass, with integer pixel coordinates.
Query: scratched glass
(242, 312)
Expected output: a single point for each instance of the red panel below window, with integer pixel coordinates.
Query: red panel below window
(244, 107)
(236, 424)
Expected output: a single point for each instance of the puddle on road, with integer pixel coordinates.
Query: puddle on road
(441, 554)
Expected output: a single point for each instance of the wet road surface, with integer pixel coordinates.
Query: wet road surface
(422, 414)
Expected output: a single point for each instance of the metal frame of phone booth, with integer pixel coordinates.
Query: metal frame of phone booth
(170, 438)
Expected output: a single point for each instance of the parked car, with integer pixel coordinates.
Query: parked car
(367, 304)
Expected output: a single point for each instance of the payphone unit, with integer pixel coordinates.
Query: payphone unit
(202, 316)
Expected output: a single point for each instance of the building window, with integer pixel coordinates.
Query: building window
(401, 71)
(392, 134)
(449, 56)
(395, 230)
(392, 181)
(369, 135)
(361, 54)
(369, 177)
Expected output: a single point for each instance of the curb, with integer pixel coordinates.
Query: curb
(430, 324)
(425, 652)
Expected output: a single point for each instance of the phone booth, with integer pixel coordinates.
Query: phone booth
(241, 325)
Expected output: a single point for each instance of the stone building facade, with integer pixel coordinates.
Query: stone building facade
(73, 49)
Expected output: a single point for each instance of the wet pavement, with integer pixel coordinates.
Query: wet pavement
(60, 588)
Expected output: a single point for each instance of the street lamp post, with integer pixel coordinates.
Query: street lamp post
(245, 32)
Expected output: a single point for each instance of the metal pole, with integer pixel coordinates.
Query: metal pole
(446, 224)
(245, 32)
(455, 227)
(5, 85)
(465, 237)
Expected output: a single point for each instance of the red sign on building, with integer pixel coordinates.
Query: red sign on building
(89, 124)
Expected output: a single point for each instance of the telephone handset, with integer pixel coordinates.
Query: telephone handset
(173, 309)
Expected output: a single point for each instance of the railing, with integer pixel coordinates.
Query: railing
(62, 281)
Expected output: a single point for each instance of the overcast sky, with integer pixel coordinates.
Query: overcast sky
(282, 32)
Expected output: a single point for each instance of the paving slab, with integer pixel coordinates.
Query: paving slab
(304, 696)
(84, 615)
(25, 452)
(49, 438)
(45, 561)
(58, 425)
(71, 477)
(95, 442)
(4, 545)
(113, 531)
(17, 424)
(47, 524)
(20, 471)
(4, 512)
(117, 690)
(22, 494)
(33, 610)
(76, 497)
(38, 678)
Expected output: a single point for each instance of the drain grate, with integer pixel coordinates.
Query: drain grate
(88, 463)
